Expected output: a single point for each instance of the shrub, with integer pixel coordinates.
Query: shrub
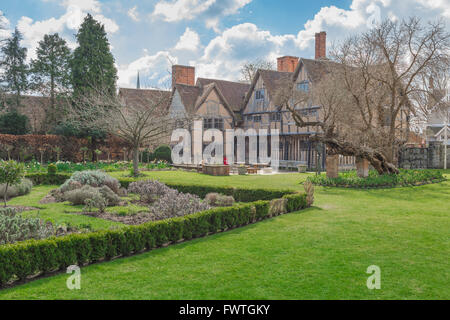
(14, 227)
(239, 194)
(22, 188)
(350, 179)
(295, 202)
(70, 185)
(109, 195)
(11, 173)
(94, 178)
(52, 169)
(219, 200)
(176, 204)
(46, 179)
(98, 202)
(14, 123)
(162, 153)
(79, 196)
(148, 190)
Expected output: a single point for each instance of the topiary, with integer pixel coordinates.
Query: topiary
(163, 152)
(52, 169)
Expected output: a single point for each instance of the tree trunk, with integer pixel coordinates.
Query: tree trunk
(376, 158)
(136, 161)
(5, 195)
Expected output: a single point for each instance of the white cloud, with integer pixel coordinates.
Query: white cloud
(4, 26)
(209, 10)
(224, 55)
(76, 10)
(154, 71)
(134, 14)
(190, 40)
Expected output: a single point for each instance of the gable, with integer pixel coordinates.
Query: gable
(212, 105)
(177, 107)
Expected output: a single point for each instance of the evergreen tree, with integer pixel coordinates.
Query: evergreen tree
(93, 63)
(51, 72)
(15, 69)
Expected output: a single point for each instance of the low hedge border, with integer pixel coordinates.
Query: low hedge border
(26, 259)
(406, 178)
(48, 179)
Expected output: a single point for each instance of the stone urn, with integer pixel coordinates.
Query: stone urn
(242, 170)
(302, 168)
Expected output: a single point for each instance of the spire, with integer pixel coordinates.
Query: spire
(138, 85)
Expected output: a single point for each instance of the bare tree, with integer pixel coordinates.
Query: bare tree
(139, 120)
(371, 87)
(249, 69)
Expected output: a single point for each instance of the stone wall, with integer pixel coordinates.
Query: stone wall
(424, 158)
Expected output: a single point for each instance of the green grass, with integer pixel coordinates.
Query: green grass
(280, 181)
(58, 213)
(319, 253)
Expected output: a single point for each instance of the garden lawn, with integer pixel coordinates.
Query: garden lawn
(279, 181)
(58, 213)
(319, 253)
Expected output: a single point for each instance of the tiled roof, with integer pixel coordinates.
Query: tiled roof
(233, 92)
(145, 97)
(189, 95)
(274, 81)
(316, 68)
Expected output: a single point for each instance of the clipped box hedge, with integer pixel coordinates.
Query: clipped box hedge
(48, 179)
(28, 258)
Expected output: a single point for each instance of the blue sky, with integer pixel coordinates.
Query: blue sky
(215, 36)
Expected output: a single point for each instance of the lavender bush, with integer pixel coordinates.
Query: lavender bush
(176, 204)
(93, 178)
(14, 227)
(148, 190)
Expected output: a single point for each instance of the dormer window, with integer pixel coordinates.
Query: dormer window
(303, 86)
(259, 94)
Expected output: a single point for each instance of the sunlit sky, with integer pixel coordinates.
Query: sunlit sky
(215, 36)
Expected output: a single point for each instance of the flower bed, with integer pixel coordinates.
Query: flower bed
(404, 178)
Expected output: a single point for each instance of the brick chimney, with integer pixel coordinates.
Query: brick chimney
(287, 64)
(321, 45)
(183, 75)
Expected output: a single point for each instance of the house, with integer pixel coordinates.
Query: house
(441, 114)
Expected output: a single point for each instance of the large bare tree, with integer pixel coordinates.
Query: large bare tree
(371, 87)
(140, 120)
(249, 69)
